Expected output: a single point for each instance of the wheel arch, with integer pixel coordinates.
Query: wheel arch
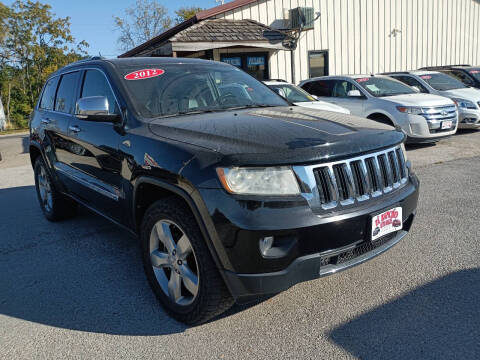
(379, 116)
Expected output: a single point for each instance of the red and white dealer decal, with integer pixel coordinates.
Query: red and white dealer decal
(144, 74)
(386, 222)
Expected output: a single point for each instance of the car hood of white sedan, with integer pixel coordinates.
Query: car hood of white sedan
(323, 105)
(471, 94)
(423, 100)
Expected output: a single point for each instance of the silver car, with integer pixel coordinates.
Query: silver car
(434, 82)
(423, 117)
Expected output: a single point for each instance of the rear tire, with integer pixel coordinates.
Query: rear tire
(55, 206)
(168, 229)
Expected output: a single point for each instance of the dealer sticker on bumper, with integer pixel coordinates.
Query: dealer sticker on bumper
(446, 124)
(386, 223)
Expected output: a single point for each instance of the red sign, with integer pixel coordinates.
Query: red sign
(426, 77)
(474, 71)
(144, 74)
(362, 79)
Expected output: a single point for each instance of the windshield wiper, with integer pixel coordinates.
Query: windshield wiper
(249, 106)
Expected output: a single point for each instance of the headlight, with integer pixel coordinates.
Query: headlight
(259, 181)
(464, 104)
(410, 110)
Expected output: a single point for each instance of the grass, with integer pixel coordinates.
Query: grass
(13, 131)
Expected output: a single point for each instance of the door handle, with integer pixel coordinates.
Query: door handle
(45, 121)
(75, 129)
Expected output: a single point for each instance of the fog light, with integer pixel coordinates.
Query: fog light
(266, 244)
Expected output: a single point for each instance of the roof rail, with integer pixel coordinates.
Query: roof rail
(279, 80)
(442, 67)
(395, 72)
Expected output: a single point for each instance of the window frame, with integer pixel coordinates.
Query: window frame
(75, 92)
(82, 83)
(326, 67)
(39, 103)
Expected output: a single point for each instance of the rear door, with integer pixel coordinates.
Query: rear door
(95, 161)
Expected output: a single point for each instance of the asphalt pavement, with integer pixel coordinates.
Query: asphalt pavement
(76, 289)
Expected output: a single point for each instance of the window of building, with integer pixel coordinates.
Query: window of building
(256, 64)
(65, 101)
(317, 63)
(95, 84)
(48, 96)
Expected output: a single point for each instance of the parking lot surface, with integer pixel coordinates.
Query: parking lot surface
(77, 288)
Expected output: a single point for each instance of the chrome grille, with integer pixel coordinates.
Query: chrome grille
(440, 113)
(348, 182)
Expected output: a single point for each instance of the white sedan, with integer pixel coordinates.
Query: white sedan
(300, 97)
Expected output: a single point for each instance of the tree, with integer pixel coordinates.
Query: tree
(33, 44)
(186, 13)
(142, 22)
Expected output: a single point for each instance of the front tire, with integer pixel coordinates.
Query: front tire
(55, 206)
(178, 264)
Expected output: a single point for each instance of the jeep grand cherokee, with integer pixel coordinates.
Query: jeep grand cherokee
(232, 191)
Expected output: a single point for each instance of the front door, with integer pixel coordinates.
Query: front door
(95, 160)
(356, 104)
(256, 64)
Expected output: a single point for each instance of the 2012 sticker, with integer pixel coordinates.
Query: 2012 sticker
(144, 74)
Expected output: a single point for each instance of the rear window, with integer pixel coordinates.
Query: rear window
(65, 101)
(48, 96)
(176, 89)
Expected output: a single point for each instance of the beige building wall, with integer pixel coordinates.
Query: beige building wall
(370, 36)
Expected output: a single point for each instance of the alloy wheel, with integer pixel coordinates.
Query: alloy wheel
(45, 189)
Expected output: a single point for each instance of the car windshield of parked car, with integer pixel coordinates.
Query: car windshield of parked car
(442, 82)
(176, 89)
(475, 73)
(293, 93)
(380, 87)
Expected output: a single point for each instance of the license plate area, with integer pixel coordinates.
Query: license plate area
(386, 222)
(447, 125)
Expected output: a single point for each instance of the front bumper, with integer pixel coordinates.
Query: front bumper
(418, 129)
(318, 245)
(469, 119)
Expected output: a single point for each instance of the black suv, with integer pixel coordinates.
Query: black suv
(232, 191)
(469, 75)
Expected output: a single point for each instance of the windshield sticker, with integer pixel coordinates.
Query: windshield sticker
(426, 77)
(363, 79)
(474, 71)
(144, 74)
(372, 87)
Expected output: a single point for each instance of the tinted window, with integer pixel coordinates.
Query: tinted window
(95, 84)
(383, 86)
(293, 93)
(460, 75)
(66, 93)
(475, 73)
(412, 82)
(320, 87)
(48, 96)
(442, 82)
(342, 87)
(193, 88)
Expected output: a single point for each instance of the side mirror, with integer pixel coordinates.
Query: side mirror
(354, 93)
(416, 88)
(281, 92)
(95, 108)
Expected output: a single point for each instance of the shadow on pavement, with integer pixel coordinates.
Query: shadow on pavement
(440, 320)
(82, 274)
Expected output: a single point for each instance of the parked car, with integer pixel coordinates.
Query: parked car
(423, 117)
(232, 194)
(300, 97)
(469, 75)
(434, 82)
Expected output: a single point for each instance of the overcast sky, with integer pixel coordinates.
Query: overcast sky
(92, 20)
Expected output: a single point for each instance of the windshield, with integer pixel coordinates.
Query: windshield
(475, 73)
(293, 93)
(442, 82)
(174, 89)
(379, 87)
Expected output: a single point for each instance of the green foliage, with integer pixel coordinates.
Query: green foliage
(186, 13)
(33, 44)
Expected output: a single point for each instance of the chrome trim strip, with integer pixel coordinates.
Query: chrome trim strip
(332, 269)
(86, 183)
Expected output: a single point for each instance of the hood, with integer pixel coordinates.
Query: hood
(426, 100)
(323, 105)
(471, 94)
(278, 135)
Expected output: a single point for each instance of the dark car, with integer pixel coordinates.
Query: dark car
(232, 192)
(469, 75)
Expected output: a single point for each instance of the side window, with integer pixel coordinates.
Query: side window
(320, 87)
(95, 84)
(48, 96)
(460, 75)
(412, 82)
(65, 101)
(342, 87)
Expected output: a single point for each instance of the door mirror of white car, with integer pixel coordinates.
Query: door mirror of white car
(95, 108)
(354, 93)
(281, 92)
(416, 88)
